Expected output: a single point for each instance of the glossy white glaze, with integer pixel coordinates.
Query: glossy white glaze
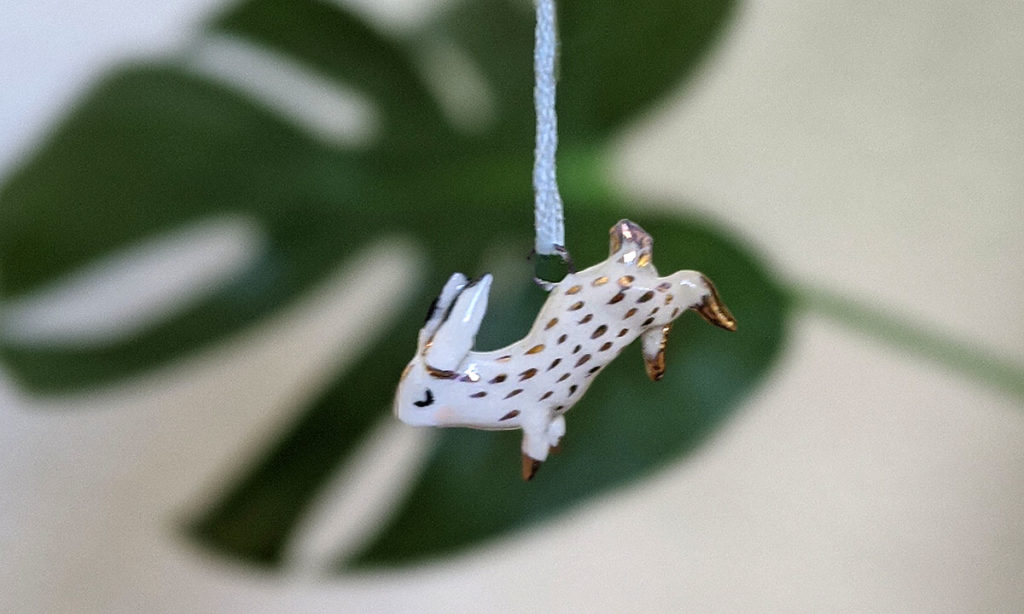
(588, 318)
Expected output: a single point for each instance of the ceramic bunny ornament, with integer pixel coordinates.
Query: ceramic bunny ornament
(588, 318)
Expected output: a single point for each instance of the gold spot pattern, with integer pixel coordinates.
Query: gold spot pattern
(626, 281)
(587, 318)
(600, 281)
(504, 358)
(576, 306)
(551, 324)
(574, 289)
(525, 375)
(668, 299)
(535, 349)
(440, 373)
(600, 330)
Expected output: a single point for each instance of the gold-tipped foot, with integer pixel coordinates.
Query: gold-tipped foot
(530, 467)
(714, 310)
(655, 365)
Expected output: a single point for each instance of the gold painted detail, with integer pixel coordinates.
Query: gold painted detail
(626, 281)
(440, 373)
(714, 311)
(656, 365)
(600, 281)
(574, 289)
(536, 349)
(576, 306)
(551, 324)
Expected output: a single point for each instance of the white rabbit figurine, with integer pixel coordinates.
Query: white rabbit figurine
(588, 318)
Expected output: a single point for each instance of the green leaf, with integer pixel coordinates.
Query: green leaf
(156, 147)
(338, 45)
(150, 150)
(617, 58)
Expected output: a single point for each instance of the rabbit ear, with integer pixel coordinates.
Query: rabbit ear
(455, 335)
(439, 308)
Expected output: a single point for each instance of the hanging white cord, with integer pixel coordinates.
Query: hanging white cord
(547, 201)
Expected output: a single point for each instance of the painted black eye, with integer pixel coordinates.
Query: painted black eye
(427, 401)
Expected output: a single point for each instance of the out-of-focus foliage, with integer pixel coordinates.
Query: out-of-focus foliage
(158, 146)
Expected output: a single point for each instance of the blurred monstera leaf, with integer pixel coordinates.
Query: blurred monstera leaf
(160, 146)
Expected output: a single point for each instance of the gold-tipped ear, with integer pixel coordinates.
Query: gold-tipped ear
(714, 310)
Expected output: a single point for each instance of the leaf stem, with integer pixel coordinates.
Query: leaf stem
(901, 333)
